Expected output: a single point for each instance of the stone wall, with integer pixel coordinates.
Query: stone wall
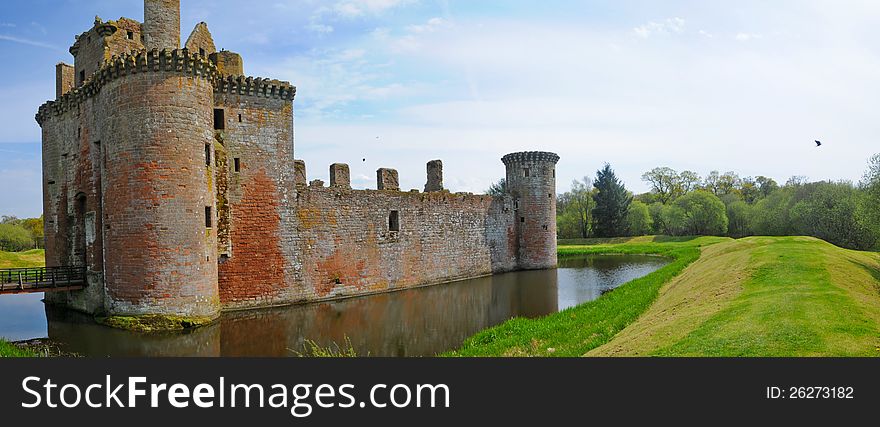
(162, 24)
(531, 181)
(200, 40)
(102, 42)
(161, 249)
(260, 196)
(343, 245)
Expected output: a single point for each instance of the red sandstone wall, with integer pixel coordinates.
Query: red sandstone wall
(72, 171)
(160, 257)
(531, 180)
(261, 247)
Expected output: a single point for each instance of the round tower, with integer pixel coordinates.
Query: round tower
(531, 182)
(161, 24)
(159, 194)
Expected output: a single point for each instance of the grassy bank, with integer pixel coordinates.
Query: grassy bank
(763, 296)
(32, 258)
(759, 296)
(9, 350)
(577, 330)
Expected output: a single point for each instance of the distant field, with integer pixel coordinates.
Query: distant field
(33, 258)
(758, 296)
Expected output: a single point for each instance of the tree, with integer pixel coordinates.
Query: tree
(574, 210)
(728, 183)
(674, 220)
(766, 186)
(664, 182)
(612, 203)
(14, 238)
(638, 219)
(688, 181)
(498, 189)
(749, 190)
(739, 217)
(835, 212)
(710, 184)
(34, 226)
(704, 212)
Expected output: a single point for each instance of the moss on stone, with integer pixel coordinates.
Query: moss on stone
(155, 322)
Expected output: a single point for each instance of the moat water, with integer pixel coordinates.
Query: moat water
(416, 322)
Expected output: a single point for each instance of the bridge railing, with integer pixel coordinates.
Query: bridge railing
(41, 277)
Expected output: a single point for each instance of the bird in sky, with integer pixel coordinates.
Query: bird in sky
(818, 143)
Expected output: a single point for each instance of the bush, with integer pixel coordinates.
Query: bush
(14, 238)
(705, 214)
(837, 213)
(638, 219)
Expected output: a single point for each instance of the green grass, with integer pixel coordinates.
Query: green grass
(9, 350)
(575, 331)
(792, 305)
(759, 296)
(32, 258)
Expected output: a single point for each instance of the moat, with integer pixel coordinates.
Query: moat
(417, 322)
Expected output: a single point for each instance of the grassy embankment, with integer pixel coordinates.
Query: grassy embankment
(759, 296)
(34, 258)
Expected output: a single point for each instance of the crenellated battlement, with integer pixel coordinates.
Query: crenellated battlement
(180, 61)
(530, 156)
(260, 87)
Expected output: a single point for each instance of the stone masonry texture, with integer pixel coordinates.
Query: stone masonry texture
(435, 176)
(171, 177)
(387, 179)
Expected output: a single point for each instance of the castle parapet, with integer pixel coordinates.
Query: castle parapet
(387, 179)
(250, 86)
(340, 175)
(153, 61)
(435, 176)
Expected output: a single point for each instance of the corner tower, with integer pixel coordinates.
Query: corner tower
(531, 182)
(162, 24)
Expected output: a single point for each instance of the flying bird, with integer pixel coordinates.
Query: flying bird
(818, 143)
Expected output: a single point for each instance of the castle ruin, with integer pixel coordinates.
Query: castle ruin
(171, 177)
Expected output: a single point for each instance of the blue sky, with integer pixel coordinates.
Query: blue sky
(741, 85)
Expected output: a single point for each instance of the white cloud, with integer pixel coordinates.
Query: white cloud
(431, 26)
(669, 26)
(30, 42)
(744, 37)
(357, 8)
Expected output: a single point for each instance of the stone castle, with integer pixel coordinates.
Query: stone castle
(171, 177)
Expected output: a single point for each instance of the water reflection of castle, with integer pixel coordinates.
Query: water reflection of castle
(418, 322)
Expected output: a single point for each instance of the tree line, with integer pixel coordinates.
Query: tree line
(18, 235)
(684, 204)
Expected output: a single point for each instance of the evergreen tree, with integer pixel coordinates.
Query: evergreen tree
(612, 204)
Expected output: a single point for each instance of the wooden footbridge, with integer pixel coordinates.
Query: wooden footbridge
(43, 279)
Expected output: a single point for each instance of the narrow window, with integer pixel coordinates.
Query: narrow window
(207, 154)
(219, 119)
(79, 132)
(526, 171)
(522, 219)
(516, 204)
(237, 164)
(394, 221)
(82, 77)
(201, 51)
(554, 173)
(239, 118)
(209, 219)
(130, 35)
(550, 195)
